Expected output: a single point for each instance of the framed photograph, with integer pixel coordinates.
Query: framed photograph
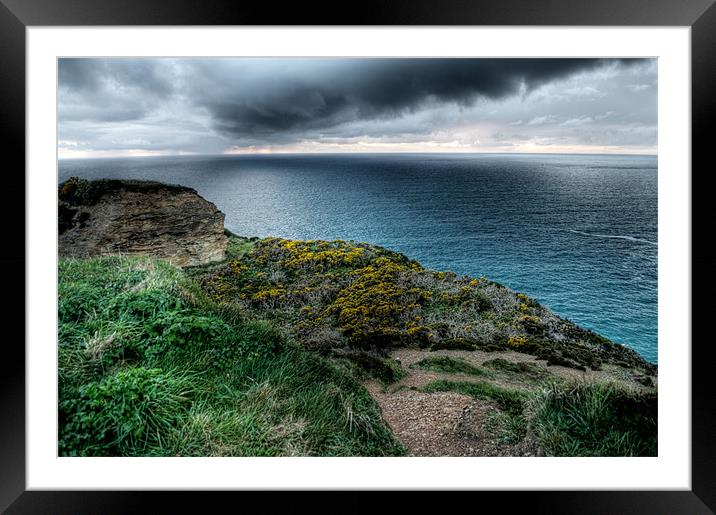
(418, 248)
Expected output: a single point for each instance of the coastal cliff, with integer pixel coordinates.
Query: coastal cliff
(139, 217)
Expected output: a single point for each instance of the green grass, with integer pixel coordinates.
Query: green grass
(150, 366)
(509, 427)
(522, 369)
(571, 419)
(237, 248)
(131, 411)
(508, 400)
(595, 419)
(365, 365)
(449, 365)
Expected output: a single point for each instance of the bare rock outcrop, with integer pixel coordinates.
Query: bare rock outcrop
(139, 217)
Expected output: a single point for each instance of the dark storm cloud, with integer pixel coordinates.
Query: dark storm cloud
(278, 101)
(272, 98)
(216, 104)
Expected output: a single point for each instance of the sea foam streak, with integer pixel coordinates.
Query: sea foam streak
(614, 236)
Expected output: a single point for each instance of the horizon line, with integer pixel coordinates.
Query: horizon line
(230, 155)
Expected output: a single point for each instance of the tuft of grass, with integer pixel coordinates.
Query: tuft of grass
(595, 419)
(238, 247)
(521, 368)
(449, 365)
(510, 428)
(128, 411)
(366, 365)
(510, 401)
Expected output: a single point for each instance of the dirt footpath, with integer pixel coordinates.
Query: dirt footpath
(453, 424)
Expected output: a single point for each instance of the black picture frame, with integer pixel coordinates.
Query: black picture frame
(17, 15)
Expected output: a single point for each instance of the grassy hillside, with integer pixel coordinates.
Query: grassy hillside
(265, 354)
(148, 365)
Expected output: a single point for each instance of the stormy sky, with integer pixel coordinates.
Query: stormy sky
(142, 106)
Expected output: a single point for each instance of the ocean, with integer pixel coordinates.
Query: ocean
(576, 232)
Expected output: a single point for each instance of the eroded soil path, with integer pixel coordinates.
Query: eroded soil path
(454, 424)
(441, 423)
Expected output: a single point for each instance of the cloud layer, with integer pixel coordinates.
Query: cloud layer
(125, 106)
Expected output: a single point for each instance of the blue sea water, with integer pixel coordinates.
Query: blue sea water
(577, 232)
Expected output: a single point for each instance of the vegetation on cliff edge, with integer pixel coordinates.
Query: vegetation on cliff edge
(263, 355)
(338, 294)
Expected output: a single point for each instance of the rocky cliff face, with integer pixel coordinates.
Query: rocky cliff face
(138, 217)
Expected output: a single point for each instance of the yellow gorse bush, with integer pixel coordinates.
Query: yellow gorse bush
(516, 340)
(378, 302)
(301, 255)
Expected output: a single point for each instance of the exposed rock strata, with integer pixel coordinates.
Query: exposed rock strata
(139, 217)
